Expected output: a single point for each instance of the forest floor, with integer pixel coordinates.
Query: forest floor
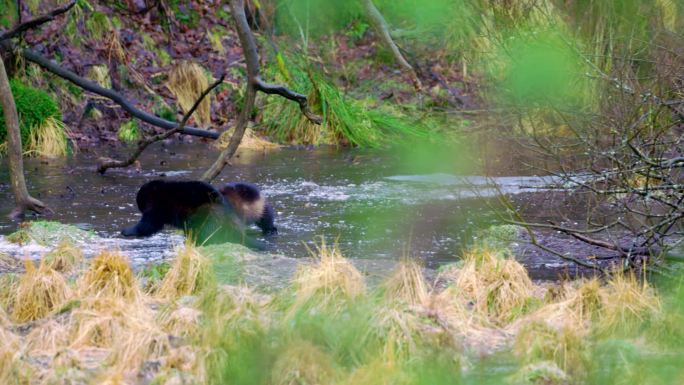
(139, 50)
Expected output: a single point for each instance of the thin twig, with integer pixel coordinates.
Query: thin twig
(113, 163)
(114, 96)
(38, 21)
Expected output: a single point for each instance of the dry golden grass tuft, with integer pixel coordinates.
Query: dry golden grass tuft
(450, 310)
(250, 141)
(109, 275)
(628, 304)
(302, 362)
(47, 338)
(190, 273)
(186, 359)
(381, 371)
(579, 304)
(40, 290)
(407, 284)
(8, 292)
(100, 75)
(183, 321)
(5, 321)
(538, 341)
(143, 341)
(235, 308)
(49, 139)
(498, 287)
(64, 257)
(332, 279)
(403, 330)
(126, 329)
(113, 377)
(12, 369)
(187, 81)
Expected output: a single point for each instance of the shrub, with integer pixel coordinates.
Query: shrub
(34, 108)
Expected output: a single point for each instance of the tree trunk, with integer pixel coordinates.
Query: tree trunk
(237, 10)
(254, 85)
(378, 22)
(23, 201)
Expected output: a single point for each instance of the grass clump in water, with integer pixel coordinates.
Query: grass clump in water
(39, 291)
(345, 121)
(47, 233)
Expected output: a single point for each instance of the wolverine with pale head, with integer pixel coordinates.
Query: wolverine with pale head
(250, 206)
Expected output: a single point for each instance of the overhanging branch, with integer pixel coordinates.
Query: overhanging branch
(276, 89)
(107, 163)
(33, 23)
(114, 96)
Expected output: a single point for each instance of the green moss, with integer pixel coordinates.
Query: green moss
(152, 274)
(33, 106)
(185, 13)
(48, 233)
(129, 132)
(8, 14)
(500, 236)
(164, 111)
(98, 25)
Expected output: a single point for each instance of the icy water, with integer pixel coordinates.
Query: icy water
(359, 198)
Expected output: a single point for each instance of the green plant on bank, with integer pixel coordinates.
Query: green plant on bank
(47, 233)
(129, 132)
(185, 13)
(345, 121)
(41, 128)
(98, 25)
(152, 275)
(9, 13)
(75, 17)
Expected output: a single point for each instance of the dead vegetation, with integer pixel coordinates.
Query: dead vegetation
(329, 280)
(103, 326)
(187, 82)
(40, 291)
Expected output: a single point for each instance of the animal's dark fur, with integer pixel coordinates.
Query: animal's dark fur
(187, 205)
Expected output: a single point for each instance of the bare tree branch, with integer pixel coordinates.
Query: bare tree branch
(113, 163)
(254, 84)
(275, 89)
(378, 22)
(23, 201)
(33, 23)
(116, 97)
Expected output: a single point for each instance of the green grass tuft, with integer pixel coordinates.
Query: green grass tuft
(34, 107)
(129, 132)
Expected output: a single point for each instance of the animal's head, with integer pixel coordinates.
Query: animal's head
(238, 191)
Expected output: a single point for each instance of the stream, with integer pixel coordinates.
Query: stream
(358, 198)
